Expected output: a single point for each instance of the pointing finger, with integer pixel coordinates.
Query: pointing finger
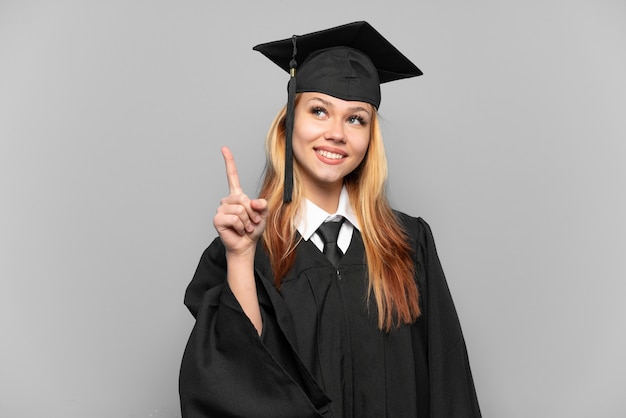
(231, 172)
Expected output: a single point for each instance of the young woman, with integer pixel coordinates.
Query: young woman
(317, 299)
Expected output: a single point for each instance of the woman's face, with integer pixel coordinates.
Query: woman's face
(330, 139)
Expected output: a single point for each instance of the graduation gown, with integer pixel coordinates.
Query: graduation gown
(321, 353)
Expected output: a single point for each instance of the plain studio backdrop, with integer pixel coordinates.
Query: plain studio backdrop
(112, 115)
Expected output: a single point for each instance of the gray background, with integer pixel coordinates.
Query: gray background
(511, 146)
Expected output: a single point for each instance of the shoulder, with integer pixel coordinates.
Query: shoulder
(415, 227)
(211, 274)
(420, 237)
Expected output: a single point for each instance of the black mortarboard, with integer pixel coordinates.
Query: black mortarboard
(348, 62)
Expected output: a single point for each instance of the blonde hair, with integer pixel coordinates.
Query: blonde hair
(387, 250)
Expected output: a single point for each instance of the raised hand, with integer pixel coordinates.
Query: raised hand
(239, 220)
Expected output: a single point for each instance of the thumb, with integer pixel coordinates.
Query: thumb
(260, 206)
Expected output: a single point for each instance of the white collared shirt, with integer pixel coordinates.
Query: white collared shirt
(311, 216)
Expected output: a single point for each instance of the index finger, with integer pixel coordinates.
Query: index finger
(231, 172)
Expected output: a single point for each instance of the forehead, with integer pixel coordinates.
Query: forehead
(308, 97)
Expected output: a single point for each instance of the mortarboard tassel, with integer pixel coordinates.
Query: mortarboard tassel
(291, 97)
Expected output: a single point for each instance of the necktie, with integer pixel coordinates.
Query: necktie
(329, 231)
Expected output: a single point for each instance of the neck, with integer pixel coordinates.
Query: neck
(326, 198)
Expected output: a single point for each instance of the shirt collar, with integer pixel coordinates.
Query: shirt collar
(310, 216)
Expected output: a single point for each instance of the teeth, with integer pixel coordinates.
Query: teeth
(331, 155)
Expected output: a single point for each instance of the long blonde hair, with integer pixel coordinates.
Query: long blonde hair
(387, 250)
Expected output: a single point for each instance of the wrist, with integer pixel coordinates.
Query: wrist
(245, 256)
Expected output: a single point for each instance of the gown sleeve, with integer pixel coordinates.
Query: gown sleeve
(227, 369)
(450, 385)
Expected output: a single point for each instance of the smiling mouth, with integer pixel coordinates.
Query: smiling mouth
(330, 155)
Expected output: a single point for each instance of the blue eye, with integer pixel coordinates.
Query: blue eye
(318, 111)
(357, 120)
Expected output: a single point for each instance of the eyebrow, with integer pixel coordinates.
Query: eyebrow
(329, 104)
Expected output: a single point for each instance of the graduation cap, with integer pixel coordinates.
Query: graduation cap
(347, 62)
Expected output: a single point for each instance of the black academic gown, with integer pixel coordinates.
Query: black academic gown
(321, 354)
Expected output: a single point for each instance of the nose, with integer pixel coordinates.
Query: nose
(335, 131)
